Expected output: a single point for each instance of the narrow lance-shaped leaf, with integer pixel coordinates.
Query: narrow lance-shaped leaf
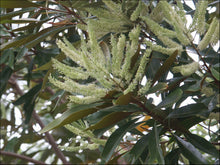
(171, 98)
(33, 39)
(38, 38)
(115, 138)
(29, 101)
(16, 13)
(21, 53)
(190, 152)
(72, 115)
(17, 4)
(215, 73)
(139, 147)
(124, 99)
(158, 87)
(166, 65)
(98, 116)
(154, 147)
(114, 160)
(110, 119)
(188, 110)
(20, 21)
(172, 157)
(5, 74)
(202, 144)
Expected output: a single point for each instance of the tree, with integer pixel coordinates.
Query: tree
(91, 71)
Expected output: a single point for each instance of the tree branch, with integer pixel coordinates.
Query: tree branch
(50, 138)
(160, 116)
(207, 67)
(21, 157)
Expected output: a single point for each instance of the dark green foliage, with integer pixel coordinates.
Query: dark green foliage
(177, 132)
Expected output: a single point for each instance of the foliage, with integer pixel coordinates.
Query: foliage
(79, 67)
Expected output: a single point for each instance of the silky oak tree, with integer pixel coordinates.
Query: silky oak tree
(110, 82)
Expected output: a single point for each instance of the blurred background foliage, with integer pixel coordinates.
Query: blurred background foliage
(29, 30)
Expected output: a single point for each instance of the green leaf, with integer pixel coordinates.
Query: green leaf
(124, 99)
(139, 147)
(18, 41)
(165, 67)
(110, 119)
(188, 122)
(5, 74)
(72, 115)
(172, 157)
(188, 110)
(215, 73)
(21, 20)
(29, 138)
(44, 67)
(195, 87)
(29, 101)
(5, 55)
(171, 98)
(190, 152)
(114, 160)
(202, 144)
(33, 39)
(58, 93)
(21, 53)
(17, 4)
(115, 138)
(45, 80)
(41, 36)
(154, 148)
(31, 26)
(10, 146)
(97, 116)
(11, 60)
(121, 108)
(16, 13)
(27, 95)
(158, 87)
(175, 83)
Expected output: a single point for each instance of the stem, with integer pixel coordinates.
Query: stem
(12, 33)
(208, 69)
(197, 51)
(160, 116)
(50, 138)
(74, 14)
(21, 157)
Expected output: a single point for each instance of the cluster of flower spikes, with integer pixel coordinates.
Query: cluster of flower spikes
(110, 67)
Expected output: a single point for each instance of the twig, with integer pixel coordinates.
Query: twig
(50, 139)
(208, 129)
(12, 33)
(38, 120)
(21, 157)
(160, 116)
(46, 8)
(74, 14)
(207, 67)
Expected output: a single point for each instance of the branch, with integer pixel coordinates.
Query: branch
(50, 138)
(207, 67)
(160, 116)
(21, 157)
(74, 14)
(12, 33)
